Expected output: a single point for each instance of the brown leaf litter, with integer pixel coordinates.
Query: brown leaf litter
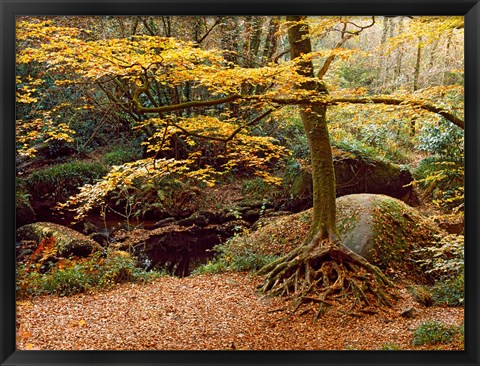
(211, 312)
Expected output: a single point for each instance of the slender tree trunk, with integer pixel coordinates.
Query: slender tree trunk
(197, 24)
(416, 72)
(167, 26)
(271, 41)
(255, 40)
(416, 75)
(315, 124)
(445, 72)
(230, 31)
(247, 34)
(398, 67)
(383, 61)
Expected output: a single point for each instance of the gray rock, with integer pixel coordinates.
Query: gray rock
(409, 312)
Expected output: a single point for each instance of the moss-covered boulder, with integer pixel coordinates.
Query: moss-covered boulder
(384, 230)
(354, 174)
(68, 242)
(362, 175)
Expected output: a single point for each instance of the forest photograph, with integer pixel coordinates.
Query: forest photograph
(239, 183)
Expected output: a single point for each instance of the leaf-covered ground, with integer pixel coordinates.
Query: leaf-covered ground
(211, 312)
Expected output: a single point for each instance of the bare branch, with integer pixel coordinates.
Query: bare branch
(346, 35)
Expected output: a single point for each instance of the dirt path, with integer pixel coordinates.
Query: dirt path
(207, 312)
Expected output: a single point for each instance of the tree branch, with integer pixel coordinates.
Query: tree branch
(176, 107)
(217, 22)
(393, 101)
(225, 140)
(345, 38)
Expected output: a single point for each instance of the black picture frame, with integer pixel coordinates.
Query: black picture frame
(9, 9)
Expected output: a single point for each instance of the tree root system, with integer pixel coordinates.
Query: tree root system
(325, 273)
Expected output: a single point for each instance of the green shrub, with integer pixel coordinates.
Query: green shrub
(449, 292)
(122, 154)
(445, 260)
(442, 174)
(442, 139)
(72, 277)
(24, 210)
(435, 332)
(256, 187)
(390, 347)
(443, 180)
(22, 198)
(235, 255)
(61, 181)
(353, 74)
(67, 282)
(357, 148)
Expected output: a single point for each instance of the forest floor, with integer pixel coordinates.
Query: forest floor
(212, 312)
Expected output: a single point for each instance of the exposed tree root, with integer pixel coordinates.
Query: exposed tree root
(321, 274)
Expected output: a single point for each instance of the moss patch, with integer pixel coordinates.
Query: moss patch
(68, 242)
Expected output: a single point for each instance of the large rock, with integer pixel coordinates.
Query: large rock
(355, 175)
(68, 242)
(384, 230)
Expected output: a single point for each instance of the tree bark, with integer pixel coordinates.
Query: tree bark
(315, 123)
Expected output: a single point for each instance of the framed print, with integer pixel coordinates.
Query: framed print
(281, 182)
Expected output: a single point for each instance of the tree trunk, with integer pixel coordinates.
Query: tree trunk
(315, 124)
(257, 24)
(445, 64)
(322, 271)
(271, 40)
(398, 66)
(416, 76)
(230, 35)
(383, 61)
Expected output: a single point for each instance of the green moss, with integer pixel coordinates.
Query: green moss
(346, 222)
(122, 154)
(63, 180)
(422, 295)
(394, 224)
(97, 271)
(435, 332)
(67, 241)
(302, 184)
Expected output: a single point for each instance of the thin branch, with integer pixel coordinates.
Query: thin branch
(345, 38)
(147, 27)
(393, 101)
(217, 22)
(176, 107)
